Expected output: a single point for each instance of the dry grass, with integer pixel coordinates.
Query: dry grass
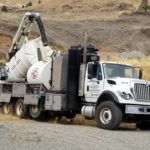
(7, 117)
(84, 16)
(80, 120)
(84, 5)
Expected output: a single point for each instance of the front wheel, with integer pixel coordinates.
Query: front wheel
(108, 115)
(35, 112)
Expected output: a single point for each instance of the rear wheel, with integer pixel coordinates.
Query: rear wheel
(7, 108)
(108, 115)
(35, 112)
(21, 110)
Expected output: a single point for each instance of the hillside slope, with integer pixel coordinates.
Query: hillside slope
(85, 5)
(75, 5)
(106, 25)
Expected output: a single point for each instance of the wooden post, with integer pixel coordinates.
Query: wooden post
(85, 48)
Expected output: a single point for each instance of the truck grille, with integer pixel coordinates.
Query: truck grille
(142, 91)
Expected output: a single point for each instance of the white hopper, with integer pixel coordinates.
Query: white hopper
(40, 73)
(27, 56)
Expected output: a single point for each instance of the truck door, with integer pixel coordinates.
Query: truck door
(93, 82)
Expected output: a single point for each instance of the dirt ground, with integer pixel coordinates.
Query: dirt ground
(29, 134)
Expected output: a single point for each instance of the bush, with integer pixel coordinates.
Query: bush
(29, 4)
(4, 9)
(146, 8)
(67, 7)
(124, 6)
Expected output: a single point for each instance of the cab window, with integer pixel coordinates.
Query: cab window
(94, 71)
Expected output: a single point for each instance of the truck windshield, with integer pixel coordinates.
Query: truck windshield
(119, 70)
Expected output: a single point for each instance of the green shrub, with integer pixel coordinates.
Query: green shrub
(145, 5)
(146, 8)
(29, 4)
(4, 9)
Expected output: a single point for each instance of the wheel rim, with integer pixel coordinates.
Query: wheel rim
(34, 109)
(105, 116)
(19, 109)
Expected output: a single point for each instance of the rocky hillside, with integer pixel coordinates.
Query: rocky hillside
(113, 25)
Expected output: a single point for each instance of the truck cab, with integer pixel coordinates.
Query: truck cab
(102, 75)
(116, 92)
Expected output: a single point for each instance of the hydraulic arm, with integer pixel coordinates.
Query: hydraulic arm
(24, 29)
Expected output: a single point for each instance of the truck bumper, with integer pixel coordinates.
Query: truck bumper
(137, 109)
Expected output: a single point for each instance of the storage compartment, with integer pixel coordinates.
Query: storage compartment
(55, 102)
(59, 75)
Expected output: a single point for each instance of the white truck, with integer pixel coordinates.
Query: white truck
(36, 80)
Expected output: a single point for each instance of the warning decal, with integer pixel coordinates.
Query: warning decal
(34, 73)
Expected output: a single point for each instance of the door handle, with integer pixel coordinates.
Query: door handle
(87, 88)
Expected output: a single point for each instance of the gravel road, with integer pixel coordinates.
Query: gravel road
(18, 134)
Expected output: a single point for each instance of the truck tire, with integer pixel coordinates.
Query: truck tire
(70, 115)
(7, 108)
(35, 112)
(21, 110)
(108, 115)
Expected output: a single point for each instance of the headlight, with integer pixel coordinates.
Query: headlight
(126, 96)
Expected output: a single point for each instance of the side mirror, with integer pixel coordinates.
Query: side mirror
(140, 73)
(90, 71)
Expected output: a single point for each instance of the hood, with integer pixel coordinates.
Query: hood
(125, 81)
